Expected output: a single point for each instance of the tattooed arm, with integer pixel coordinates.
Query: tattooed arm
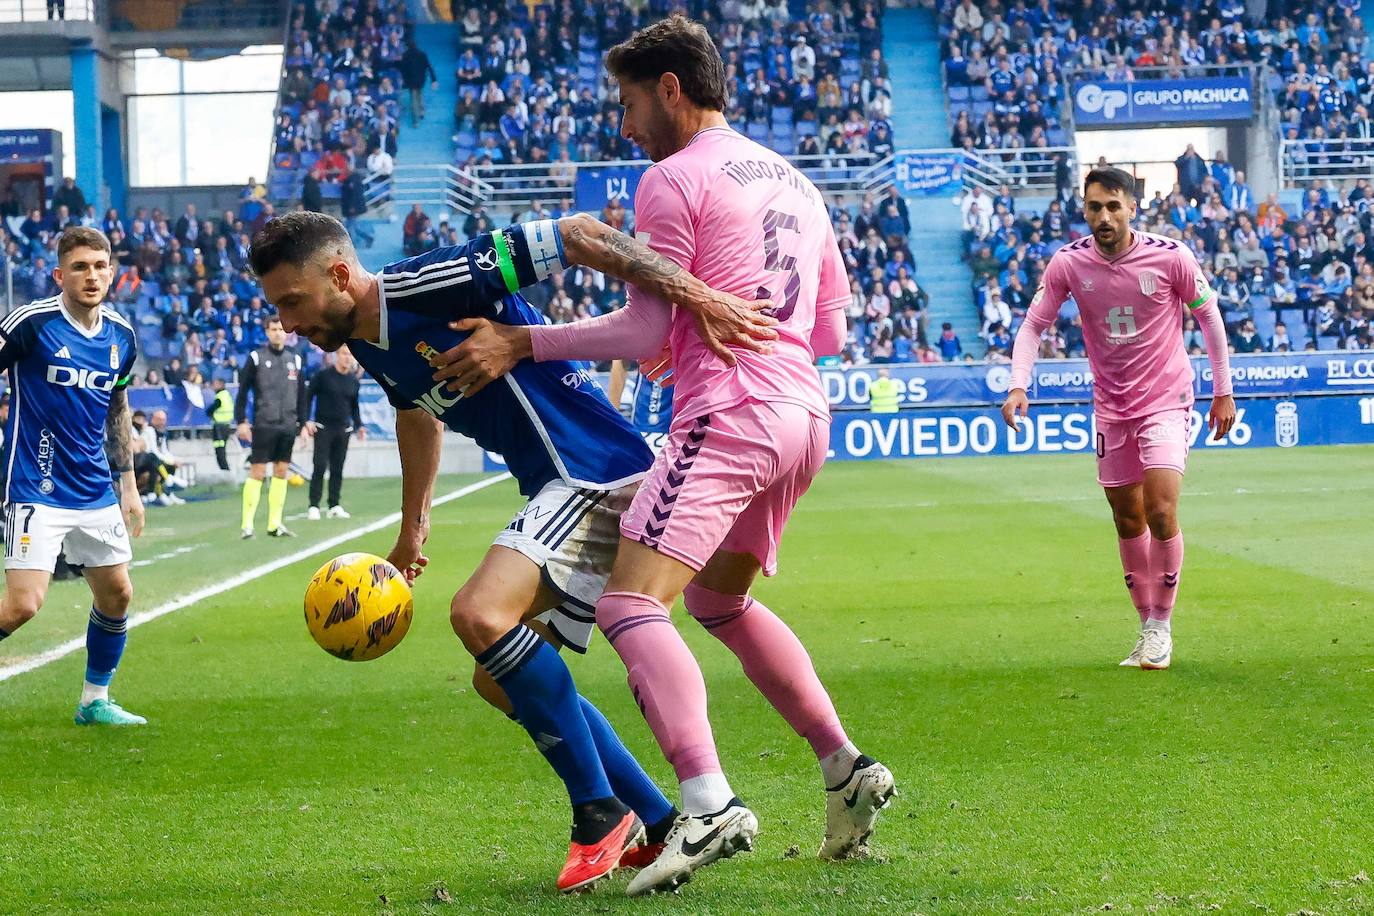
(637, 331)
(118, 430)
(722, 319)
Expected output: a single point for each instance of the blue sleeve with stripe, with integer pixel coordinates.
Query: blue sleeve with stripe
(466, 281)
(16, 341)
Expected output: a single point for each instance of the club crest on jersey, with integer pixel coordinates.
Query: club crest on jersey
(1147, 282)
(114, 356)
(426, 351)
(486, 260)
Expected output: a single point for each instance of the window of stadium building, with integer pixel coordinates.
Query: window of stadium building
(194, 101)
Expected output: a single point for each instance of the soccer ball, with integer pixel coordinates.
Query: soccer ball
(358, 607)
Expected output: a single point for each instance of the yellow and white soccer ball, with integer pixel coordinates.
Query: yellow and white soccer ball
(358, 607)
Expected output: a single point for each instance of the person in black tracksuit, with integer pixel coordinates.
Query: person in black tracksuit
(274, 376)
(334, 392)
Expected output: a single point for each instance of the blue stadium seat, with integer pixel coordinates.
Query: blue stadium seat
(978, 92)
(980, 110)
(958, 93)
(757, 131)
(807, 128)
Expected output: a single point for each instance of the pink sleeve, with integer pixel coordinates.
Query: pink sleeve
(830, 330)
(637, 331)
(1191, 286)
(1044, 309)
(663, 221)
(1218, 349)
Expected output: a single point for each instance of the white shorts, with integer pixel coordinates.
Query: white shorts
(36, 534)
(572, 536)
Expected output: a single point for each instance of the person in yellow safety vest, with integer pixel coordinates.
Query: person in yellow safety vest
(222, 416)
(882, 393)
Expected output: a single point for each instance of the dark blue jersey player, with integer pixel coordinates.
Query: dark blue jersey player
(69, 359)
(575, 459)
(651, 403)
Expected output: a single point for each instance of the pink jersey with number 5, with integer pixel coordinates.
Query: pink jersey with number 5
(744, 221)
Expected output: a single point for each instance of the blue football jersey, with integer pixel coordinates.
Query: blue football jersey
(61, 376)
(651, 406)
(549, 420)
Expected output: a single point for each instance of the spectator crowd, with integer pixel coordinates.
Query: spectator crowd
(1006, 63)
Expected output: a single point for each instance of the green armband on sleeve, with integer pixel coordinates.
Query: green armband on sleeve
(504, 261)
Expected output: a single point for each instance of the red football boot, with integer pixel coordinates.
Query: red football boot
(589, 864)
(643, 854)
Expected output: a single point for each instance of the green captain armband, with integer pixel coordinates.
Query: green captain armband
(503, 260)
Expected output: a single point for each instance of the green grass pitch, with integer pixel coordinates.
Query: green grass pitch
(967, 616)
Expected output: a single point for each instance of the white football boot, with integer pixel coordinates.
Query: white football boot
(852, 807)
(695, 841)
(1158, 649)
(1133, 660)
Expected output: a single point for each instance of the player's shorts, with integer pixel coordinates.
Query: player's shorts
(1126, 449)
(572, 535)
(35, 535)
(272, 444)
(728, 481)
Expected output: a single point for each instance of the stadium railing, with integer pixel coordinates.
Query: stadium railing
(1249, 69)
(38, 11)
(1342, 159)
(515, 187)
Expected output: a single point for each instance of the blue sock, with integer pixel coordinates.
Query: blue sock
(541, 692)
(631, 784)
(4, 632)
(105, 638)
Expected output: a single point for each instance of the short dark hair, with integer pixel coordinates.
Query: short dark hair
(270, 320)
(1113, 179)
(82, 237)
(296, 238)
(675, 45)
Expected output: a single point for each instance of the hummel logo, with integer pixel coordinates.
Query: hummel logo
(63, 353)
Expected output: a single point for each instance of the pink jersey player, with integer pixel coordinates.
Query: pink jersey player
(747, 440)
(744, 221)
(1133, 290)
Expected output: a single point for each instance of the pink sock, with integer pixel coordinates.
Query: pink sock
(1135, 562)
(775, 660)
(664, 678)
(1166, 563)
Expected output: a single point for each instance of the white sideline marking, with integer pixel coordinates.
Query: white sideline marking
(209, 591)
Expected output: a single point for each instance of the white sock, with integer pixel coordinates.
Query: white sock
(836, 767)
(706, 794)
(90, 692)
(1165, 625)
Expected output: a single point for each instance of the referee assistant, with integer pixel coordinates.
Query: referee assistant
(273, 375)
(334, 392)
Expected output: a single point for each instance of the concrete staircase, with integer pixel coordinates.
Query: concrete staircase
(911, 45)
(912, 49)
(424, 150)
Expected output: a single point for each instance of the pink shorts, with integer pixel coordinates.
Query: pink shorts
(1126, 449)
(728, 481)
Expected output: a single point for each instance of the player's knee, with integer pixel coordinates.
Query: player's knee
(1163, 522)
(476, 623)
(711, 607)
(116, 598)
(23, 606)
